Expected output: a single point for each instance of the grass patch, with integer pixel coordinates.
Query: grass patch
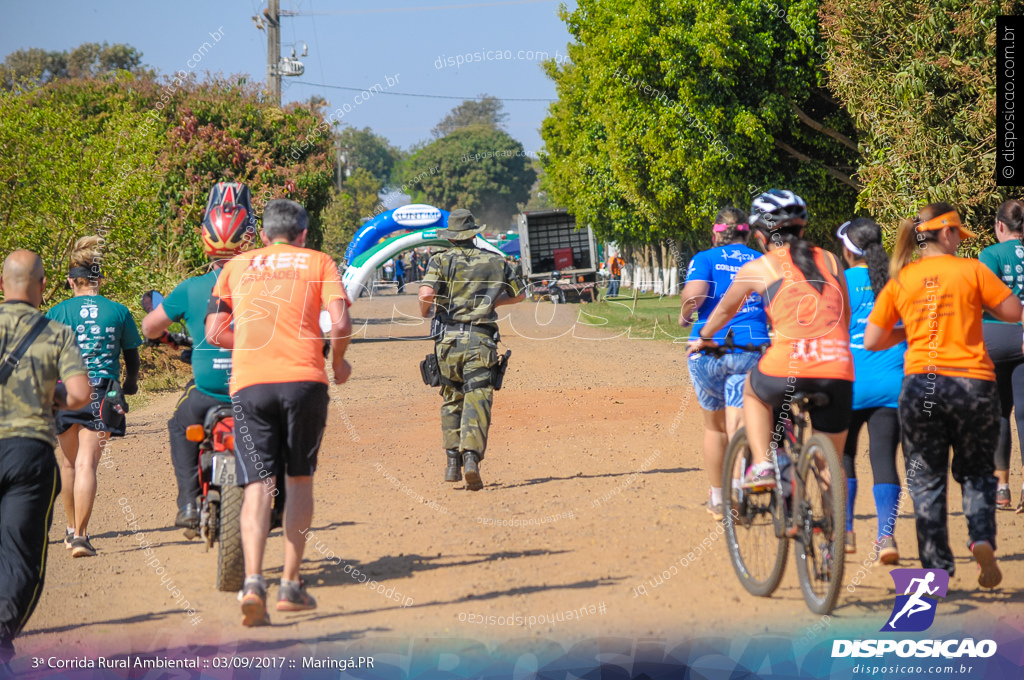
(647, 317)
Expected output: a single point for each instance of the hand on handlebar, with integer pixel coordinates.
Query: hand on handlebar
(698, 343)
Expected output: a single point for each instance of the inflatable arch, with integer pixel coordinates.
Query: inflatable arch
(365, 255)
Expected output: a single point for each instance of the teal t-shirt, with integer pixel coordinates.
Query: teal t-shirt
(103, 329)
(211, 365)
(1006, 260)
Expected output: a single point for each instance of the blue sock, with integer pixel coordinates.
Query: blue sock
(887, 497)
(851, 496)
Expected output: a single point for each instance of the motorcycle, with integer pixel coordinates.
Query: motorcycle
(220, 498)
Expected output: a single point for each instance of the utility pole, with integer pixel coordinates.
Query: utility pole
(273, 16)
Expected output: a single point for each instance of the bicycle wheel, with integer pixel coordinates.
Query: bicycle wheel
(758, 554)
(820, 515)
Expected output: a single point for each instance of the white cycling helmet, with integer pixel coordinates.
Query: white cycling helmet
(776, 209)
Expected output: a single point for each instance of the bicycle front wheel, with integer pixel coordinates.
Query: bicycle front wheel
(820, 516)
(758, 554)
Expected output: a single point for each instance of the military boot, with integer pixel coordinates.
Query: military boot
(453, 473)
(472, 461)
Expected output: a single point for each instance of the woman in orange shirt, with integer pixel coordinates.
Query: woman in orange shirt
(809, 308)
(949, 395)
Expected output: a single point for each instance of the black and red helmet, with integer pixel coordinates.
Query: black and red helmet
(228, 223)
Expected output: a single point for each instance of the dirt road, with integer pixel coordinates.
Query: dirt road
(594, 503)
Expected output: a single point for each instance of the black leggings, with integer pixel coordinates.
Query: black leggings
(1003, 343)
(883, 438)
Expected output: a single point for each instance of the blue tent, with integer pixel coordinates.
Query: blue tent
(510, 247)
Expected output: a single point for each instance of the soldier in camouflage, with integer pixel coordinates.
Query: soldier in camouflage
(467, 284)
(29, 478)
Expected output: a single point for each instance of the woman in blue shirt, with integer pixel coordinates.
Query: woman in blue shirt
(876, 388)
(718, 381)
(103, 329)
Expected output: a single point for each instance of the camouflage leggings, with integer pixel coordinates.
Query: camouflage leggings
(466, 357)
(937, 412)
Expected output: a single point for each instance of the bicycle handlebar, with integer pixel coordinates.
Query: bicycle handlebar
(728, 345)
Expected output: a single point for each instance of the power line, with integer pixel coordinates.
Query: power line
(435, 7)
(427, 96)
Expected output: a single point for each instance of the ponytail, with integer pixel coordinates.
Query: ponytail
(802, 254)
(867, 235)
(909, 239)
(733, 218)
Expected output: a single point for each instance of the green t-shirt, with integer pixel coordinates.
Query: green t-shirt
(1006, 260)
(103, 329)
(211, 365)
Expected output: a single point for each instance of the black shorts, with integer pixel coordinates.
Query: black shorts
(105, 412)
(279, 425)
(830, 419)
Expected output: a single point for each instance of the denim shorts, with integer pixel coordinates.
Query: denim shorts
(718, 381)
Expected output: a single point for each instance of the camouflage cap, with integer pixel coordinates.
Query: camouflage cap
(461, 226)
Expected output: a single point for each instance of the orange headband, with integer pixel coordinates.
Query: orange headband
(950, 219)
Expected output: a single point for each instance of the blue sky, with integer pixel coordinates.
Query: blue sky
(352, 43)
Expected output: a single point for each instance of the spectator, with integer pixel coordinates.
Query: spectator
(615, 265)
(29, 479)
(400, 273)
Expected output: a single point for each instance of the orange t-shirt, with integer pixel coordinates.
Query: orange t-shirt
(940, 300)
(615, 265)
(275, 295)
(812, 331)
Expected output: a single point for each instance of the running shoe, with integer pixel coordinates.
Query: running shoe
(989, 575)
(254, 605)
(1003, 498)
(292, 598)
(81, 547)
(715, 510)
(851, 543)
(69, 535)
(760, 476)
(886, 551)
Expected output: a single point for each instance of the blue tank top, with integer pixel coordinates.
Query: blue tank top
(718, 266)
(879, 375)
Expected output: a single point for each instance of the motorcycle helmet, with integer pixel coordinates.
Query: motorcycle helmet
(228, 222)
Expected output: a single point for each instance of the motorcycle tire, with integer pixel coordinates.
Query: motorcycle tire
(230, 563)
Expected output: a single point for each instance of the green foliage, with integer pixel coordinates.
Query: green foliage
(86, 60)
(133, 159)
(348, 209)
(487, 112)
(670, 109)
(479, 168)
(371, 152)
(920, 80)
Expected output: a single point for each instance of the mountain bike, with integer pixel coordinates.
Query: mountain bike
(806, 505)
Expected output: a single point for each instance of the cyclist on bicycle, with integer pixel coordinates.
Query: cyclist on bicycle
(949, 395)
(809, 309)
(226, 229)
(718, 381)
(1003, 340)
(876, 389)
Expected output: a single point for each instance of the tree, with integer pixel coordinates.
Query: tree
(670, 109)
(478, 168)
(920, 81)
(487, 112)
(362, 149)
(349, 209)
(86, 60)
(133, 159)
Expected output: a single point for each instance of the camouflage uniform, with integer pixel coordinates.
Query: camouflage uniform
(29, 478)
(467, 281)
(936, 412)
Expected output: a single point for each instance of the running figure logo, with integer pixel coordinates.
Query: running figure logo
(914, 611)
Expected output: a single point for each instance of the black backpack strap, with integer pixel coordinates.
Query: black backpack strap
(10, 362)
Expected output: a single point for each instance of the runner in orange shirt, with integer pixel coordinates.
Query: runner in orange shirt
(949, 395)
(278, 386)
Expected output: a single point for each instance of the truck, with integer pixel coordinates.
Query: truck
(550, 241)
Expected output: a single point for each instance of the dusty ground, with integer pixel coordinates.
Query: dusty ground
(600, 434)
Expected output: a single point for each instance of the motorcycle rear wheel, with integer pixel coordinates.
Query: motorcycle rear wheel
(230, 563)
